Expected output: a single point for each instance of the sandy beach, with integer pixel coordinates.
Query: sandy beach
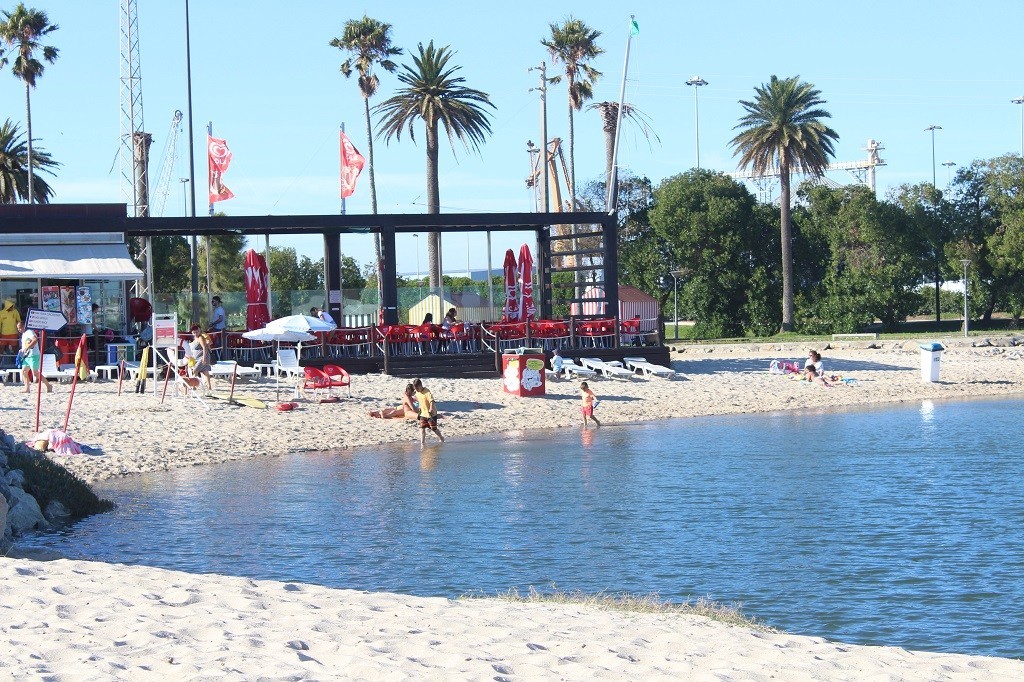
(77, 620)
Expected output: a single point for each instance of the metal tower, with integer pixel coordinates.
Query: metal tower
(134, 156)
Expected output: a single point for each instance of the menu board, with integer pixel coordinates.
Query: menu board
(69, 304)
(51, 299)
(84, 306)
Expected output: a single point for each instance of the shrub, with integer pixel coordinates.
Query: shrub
(47, 481)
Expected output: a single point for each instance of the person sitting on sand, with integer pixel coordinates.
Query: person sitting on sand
(557, 361)
(814, 368)
(407, 410)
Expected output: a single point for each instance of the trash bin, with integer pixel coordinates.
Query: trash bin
(930, 355)
(522, 372)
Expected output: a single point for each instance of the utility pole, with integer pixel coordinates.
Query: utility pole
(543, 89)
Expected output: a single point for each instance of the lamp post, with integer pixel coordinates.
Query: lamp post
(933, 128)
(696, 82)
(676, 274)
(949, 169)
(965, 263)
(419, 289)
(1020, 101)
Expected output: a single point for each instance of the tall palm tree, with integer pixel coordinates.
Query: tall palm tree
(609, 112)
(21, 31)
(782, 130)
(433, 94)
(369, 43)
(574, 44)
(14, 167)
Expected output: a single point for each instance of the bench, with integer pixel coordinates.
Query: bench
(865, 335)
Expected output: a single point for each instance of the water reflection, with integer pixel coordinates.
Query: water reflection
(861, 525)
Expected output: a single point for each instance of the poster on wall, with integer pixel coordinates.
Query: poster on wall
(84, 305)
(51, 299)
(69, 304)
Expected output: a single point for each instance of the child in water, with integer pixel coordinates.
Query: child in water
(589, 401)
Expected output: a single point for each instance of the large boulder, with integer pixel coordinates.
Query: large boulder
(3, 521)
(24, 514)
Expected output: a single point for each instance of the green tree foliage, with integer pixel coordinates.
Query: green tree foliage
(435, 95)
(783, 131)
(20, 35)
(227, 260)
(712, 232)
(14, 167)
(931, 219)
(874, 264)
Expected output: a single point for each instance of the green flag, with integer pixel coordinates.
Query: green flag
(634, 28)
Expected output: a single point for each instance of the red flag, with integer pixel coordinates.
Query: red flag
(219, 157)
(352, 163)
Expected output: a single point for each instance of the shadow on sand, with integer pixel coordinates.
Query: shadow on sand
(734, 365)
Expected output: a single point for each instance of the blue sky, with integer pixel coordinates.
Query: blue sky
(264, 74)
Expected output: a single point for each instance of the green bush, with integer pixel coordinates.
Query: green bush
(46, 481)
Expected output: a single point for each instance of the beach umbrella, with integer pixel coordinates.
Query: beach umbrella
(527, 308)
(511, 310)
(300, 323)
(276, 336)
(257, 288)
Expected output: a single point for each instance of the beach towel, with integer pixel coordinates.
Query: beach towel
(783, 367)
(57, 441)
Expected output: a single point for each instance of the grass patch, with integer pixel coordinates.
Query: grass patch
(631, 603)
(46, 481)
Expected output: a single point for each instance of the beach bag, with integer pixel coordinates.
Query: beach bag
(18, 359)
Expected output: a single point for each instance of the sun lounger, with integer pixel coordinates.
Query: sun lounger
(607, 369)
(648, 368)
(570, 369)
(225, 368)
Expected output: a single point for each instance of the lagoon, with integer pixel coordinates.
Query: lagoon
(892, 525)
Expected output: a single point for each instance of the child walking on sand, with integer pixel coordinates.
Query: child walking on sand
(428, 412)
(589, 400)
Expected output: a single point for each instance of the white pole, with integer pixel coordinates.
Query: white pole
(611, 199)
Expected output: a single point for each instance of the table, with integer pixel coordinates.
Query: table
(107, 370)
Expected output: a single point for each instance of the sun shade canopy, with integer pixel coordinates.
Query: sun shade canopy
(68, 261)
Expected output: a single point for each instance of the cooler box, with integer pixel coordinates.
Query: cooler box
(116, 352)
(522, 372)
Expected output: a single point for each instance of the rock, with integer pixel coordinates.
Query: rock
(982, 343)
(24, 514)
(56, 512)
(15, 477)
(3, 520)
(1002, 342)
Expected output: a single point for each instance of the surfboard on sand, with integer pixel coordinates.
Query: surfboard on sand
(246, 400)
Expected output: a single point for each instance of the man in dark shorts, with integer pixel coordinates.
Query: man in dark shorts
(428, 412)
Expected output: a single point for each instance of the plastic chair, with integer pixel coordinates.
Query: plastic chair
(315, 380)
(338, 377)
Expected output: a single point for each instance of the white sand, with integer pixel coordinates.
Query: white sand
(79, 620)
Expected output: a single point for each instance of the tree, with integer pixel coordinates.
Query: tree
(369, 43)
(574, 44)
(14, 177)
(609, 121)
(433, 94)
(930, 216)
(782, 130)
(21, 31)
(227, 258)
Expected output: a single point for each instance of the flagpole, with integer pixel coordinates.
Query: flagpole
(209, 285)
(339, 174)
(192, 173)
(612, 199)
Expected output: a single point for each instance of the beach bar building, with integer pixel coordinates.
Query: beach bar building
(469, 306)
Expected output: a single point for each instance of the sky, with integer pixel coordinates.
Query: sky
(264, 74)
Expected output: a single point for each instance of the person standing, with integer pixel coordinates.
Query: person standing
(322, 314)
(31, 358)
(9, 319)
(218, 324)
(200, 351)
(589, 401)
(428, 412)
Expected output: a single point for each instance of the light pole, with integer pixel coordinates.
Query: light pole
(419, 289)
(933, 128)
(676, 274)
(696, 82)
(1020, 101)
(965, 264)
(949, 169)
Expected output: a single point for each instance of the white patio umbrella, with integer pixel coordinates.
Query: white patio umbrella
(300, 323)
(277, 336)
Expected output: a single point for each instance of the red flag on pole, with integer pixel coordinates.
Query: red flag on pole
(219, 157)
(352, 163)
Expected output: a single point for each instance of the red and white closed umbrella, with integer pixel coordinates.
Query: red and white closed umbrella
(257, 287)
(527, 308)
(511, 311)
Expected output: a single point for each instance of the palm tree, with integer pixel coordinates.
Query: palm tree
(21, 31)
(574, 44)
(369, 43)
(609, 119)
(433, 94)
(782, 130)
(14, 167)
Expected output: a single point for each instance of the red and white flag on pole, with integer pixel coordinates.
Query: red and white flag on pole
(352, 163)
(219, 157)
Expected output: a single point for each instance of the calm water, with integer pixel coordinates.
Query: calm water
(900, 526)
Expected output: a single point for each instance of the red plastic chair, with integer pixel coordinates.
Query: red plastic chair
(315, 380)
(337, 377)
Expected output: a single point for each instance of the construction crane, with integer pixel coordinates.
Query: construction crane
(554, 152)
(167, 164)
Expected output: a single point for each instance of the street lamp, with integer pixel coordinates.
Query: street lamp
(1020, 100)
(676, 274)
(965, 263)
(933, 128)
(949, 168)
(696, 82)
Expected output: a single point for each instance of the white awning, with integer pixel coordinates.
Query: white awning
(68, 261)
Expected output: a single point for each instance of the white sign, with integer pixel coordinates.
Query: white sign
(50, 320)
(165, 330)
